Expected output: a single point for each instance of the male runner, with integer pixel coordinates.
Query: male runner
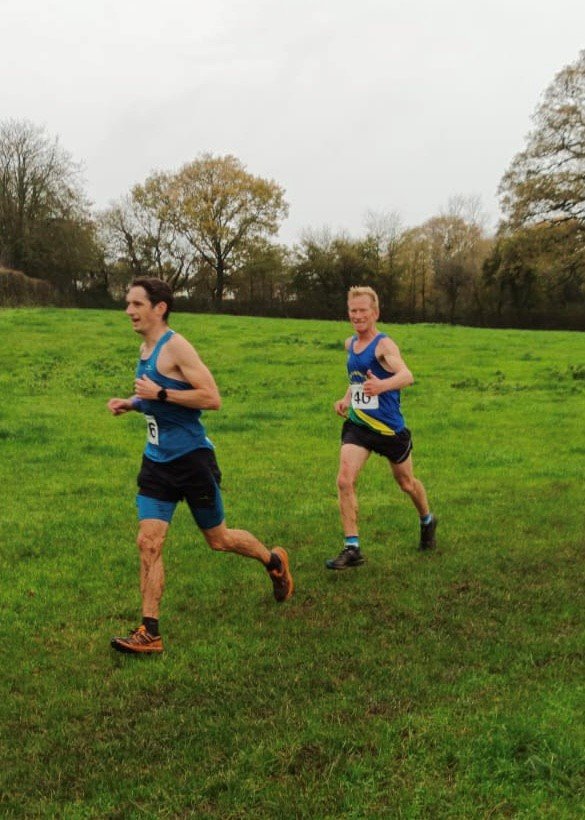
(172, 387)
(374, 423)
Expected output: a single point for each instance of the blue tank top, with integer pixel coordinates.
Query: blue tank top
(172, 430)
(387, 419)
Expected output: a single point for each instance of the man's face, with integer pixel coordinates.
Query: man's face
(362, 313)
(140, 310)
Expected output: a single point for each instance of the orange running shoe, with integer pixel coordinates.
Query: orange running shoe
(282, 580)
(139, 641)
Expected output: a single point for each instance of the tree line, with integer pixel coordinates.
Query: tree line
(210, 230)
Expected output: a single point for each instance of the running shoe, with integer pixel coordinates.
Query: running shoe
(427, 535)
(139, 641)
(282, 580)
(348, 557)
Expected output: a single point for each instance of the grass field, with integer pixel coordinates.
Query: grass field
(447, 685)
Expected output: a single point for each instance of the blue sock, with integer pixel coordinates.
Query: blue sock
(426, 519)
(352, 542)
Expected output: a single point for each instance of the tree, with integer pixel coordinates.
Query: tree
(141, 239)
(537, 268)
(68, 254)
(44, 216)
(384, 234)
(415, 263)
(223, 211)
(546, 181)
(441, 262)
(263, 279)
(454, 246)
(325, 267)
(538, 260)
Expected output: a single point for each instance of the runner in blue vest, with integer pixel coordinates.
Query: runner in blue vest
(172, 388)
(374, 424)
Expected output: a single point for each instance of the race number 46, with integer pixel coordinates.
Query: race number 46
(360, 401)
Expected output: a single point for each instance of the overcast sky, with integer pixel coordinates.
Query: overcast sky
(350, 105)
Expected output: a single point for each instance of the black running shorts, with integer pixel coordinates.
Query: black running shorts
(395, 448)
(195, 477)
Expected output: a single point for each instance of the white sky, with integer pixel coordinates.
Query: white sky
(350, 105)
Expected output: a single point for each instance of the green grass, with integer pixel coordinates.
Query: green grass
(418, 686)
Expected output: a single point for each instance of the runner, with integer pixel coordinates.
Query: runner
(172, 388)
(374, 423)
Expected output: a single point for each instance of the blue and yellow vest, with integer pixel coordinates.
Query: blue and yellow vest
(387, 419)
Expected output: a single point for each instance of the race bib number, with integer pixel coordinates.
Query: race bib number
(359, 400)
(151, 430)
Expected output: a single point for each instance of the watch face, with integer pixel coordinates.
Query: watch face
(162, 394)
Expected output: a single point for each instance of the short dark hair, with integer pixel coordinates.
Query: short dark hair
(157, 290)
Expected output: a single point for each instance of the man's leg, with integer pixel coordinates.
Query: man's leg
(404, 476)
(351, 460)
(151, 537)
(150, 541)
(206, 505)
(242, 542)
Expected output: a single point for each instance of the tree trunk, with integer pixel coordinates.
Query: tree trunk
(219, 284)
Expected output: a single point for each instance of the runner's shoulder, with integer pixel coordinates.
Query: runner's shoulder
(178, 343)
(386, 345)
(182, 351)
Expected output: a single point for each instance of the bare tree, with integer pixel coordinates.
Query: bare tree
(141, 239)
(39, 189)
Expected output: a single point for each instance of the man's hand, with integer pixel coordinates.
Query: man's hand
(145, 388)
(341, 407)
(373, 386)
(119, 406)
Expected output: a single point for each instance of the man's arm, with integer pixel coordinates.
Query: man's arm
(342, 405)
(388, 355)
(204, 394)
(119, 406)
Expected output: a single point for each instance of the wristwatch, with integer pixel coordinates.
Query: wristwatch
(162, 394)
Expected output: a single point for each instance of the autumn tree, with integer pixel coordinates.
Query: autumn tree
(546, 181)
(441, 262)
(538, 260)
(223, 211)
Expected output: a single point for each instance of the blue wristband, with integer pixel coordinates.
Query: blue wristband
(136, 404)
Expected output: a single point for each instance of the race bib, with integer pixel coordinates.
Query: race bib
(359, 400)
(151, 430)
